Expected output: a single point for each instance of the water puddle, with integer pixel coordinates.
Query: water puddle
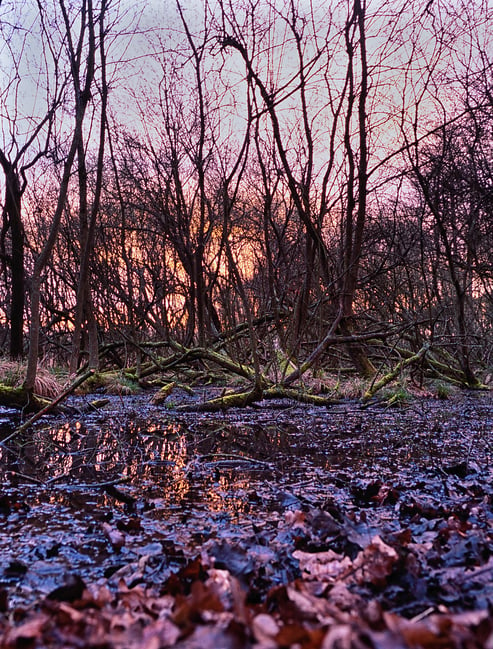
(134, 492)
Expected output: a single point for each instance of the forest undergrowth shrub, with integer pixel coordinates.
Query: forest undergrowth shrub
(343, 387)
(442, 390)
(397, 395)
(49, 383)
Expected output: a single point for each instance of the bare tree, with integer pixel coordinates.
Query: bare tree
(81, 53)
(452, 175)
(25, 139)
(84, 310)
(449, 176)
(348, 107)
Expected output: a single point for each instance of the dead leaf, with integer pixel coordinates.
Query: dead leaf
(375, 563)
(322, 566)
(161, 633)
(71, 590)
(27, 631)
(265, 629)
(114, 536)
(344, 636)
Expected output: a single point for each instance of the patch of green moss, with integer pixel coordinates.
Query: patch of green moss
(398, 397)
(112, 383)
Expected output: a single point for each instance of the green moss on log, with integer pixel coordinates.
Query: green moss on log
(279, 392)
(18, 397)
(224, 402)
(390, 376)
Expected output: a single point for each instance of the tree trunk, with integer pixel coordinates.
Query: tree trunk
(82, 93)
(354, 226)
(15, 260)
(84, 311)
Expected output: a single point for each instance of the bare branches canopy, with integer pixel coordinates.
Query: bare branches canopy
(317, 176)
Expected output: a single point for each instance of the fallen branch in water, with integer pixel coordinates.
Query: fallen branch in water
(48, 408)
(219, 459)
(224, 402)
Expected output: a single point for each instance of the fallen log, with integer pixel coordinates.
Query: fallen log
(224, 402)
(21, 399)
(49, 406)
(390, 376)
(302, 396)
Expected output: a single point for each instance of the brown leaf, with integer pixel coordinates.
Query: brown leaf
(309, 606)
(29, 630)
(114, 536)
(322, 566)
(72, 589)
(265, 629)
(295, 519)
(346, 636)
(375, 563)
(161, 633)
(190, 609)
(295, 635)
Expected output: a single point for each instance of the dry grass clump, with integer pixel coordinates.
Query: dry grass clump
(335, 386)
(117, 383)
(12, 374)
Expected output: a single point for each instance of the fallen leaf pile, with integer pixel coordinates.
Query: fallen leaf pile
(342, 587)
(203, 607)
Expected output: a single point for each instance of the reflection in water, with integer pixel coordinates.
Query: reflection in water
(235, 504)
(197, 480)
(187, 461)
(166, 460)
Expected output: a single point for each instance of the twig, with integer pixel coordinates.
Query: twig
(87, 485)
(27, 477)
(423, 615)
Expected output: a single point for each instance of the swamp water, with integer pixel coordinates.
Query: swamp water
(135, 491)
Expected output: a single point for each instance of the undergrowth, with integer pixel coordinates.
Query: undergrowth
(48, 383)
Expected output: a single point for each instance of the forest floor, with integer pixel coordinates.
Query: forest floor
(272, 526)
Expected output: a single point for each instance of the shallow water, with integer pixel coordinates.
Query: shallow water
(173, 484)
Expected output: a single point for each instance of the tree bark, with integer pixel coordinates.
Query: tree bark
(84, 305)
(82, 92)
(15, 259)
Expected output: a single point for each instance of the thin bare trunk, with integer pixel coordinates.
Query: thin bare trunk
(82, 98)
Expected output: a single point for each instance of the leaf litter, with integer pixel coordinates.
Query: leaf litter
(348, 527)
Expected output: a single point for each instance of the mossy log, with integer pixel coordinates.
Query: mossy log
(163, 393)
(93, 406)
(202, 353)
(114, 381)
(224, 402)
(302, 396)
(45, 406)
(443, 370)
(390, 376)
(247, 398)
(20, 399)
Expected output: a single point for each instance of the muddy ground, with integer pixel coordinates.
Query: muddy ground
(133, 494)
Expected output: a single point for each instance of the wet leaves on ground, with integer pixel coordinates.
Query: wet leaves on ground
(262, 528)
